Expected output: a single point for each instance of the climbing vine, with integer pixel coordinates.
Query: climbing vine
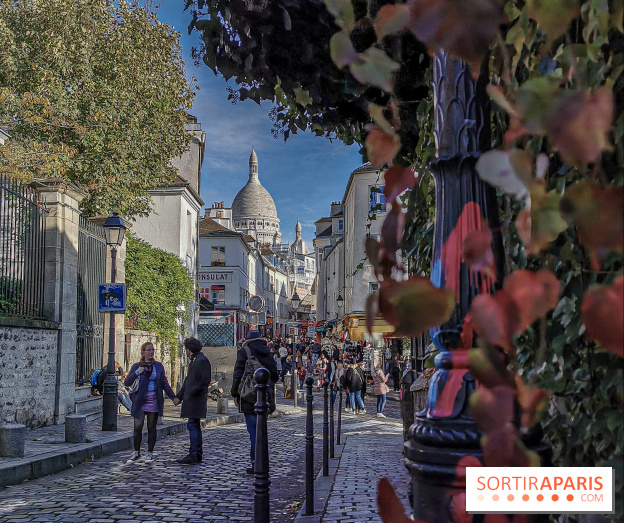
(160, 292)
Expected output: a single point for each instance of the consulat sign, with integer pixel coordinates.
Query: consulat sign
(221, 277)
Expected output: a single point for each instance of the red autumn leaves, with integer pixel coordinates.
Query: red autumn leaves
(525, 297)
(603, 313)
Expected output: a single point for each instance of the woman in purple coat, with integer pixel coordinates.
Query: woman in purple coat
(147, 400)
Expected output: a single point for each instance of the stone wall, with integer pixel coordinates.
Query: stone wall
(28, 375)
(222, 359)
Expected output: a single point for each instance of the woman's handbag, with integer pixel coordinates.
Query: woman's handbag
(135, 388)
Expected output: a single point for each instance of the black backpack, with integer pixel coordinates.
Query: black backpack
(247, 388)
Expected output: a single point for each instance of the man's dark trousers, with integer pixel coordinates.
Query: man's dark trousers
(195, 437)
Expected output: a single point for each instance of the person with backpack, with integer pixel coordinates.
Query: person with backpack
(253, 355)
(354, 381)
(97, 381)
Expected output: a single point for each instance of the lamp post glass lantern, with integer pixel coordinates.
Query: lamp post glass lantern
(115, 229)
(340, 300)
(295, 301)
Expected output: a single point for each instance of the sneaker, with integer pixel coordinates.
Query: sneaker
(347, 410)
(363, 411)
(381, 415)
(134, 457)
(187, 460)
(149, 457)
(250, 470)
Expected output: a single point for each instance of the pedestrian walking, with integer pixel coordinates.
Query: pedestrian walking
(257, 347)
(354, 381)
(193, 395)
(381, 389)
(394, 369)
(147, 400)
(283, 354)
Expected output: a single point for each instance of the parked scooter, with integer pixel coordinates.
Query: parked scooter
(214, 391)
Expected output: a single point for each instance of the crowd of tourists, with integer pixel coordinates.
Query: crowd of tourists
(340, 364)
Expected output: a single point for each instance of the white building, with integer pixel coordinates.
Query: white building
(345, 277)
(253, 209)
(172, 225)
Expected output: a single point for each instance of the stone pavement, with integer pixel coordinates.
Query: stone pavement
(47, 453)
(371, 449)
(108, 489)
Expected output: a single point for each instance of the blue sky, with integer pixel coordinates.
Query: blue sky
(304, 175)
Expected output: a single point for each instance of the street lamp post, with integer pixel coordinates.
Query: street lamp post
(115, 229)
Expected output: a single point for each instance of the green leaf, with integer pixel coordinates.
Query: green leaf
(342, 10)
(375, 67)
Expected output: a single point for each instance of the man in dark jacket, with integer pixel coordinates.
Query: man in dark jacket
(394, 369)
(257, 347)
(194, 395)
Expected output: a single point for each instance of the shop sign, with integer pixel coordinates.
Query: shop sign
(222, 277)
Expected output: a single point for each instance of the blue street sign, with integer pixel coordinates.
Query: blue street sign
(112, 297)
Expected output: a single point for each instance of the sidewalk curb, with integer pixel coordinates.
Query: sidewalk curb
(323, 486)
(22, 469)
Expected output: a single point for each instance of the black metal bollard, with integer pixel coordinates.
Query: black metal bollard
(294, 384)
(309, 450)
(331, 421)
(261, 465)
(339, 415)
(325, 429)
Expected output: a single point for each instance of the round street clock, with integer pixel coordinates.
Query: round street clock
(256, 303)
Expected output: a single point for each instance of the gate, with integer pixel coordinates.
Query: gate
(90, 323)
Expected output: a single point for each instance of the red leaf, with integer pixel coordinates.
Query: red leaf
(499, 447)
(398, 179)
(496, 318)
(457, 508)
(477, 251)
(492, 408)
(415, 305)
(390, 507)
(464, 29)
(579, 127)
(532, 400)
(381, 147)
(372, 250)
(391, 19)
(372, 310)
(603, 315)
(535, 293)
(392, 228)
(598, 215)
(488, 366)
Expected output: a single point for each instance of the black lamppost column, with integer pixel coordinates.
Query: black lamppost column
(440, 437)
(115, 229)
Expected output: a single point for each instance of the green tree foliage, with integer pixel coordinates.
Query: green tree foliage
(93, 92)
(279, 51)
(159, 290)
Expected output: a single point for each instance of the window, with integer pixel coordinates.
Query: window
(377, 199)
(218, 256)
(340, 225)
(373, 287)
(218, 294)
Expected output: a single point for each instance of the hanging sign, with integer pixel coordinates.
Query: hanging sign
(112, 297)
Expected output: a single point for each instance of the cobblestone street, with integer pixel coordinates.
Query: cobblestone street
(108, 489)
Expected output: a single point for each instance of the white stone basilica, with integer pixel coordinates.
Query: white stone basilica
(253, 209)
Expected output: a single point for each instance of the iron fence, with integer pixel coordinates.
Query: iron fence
(90, 322)
(22, 250)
